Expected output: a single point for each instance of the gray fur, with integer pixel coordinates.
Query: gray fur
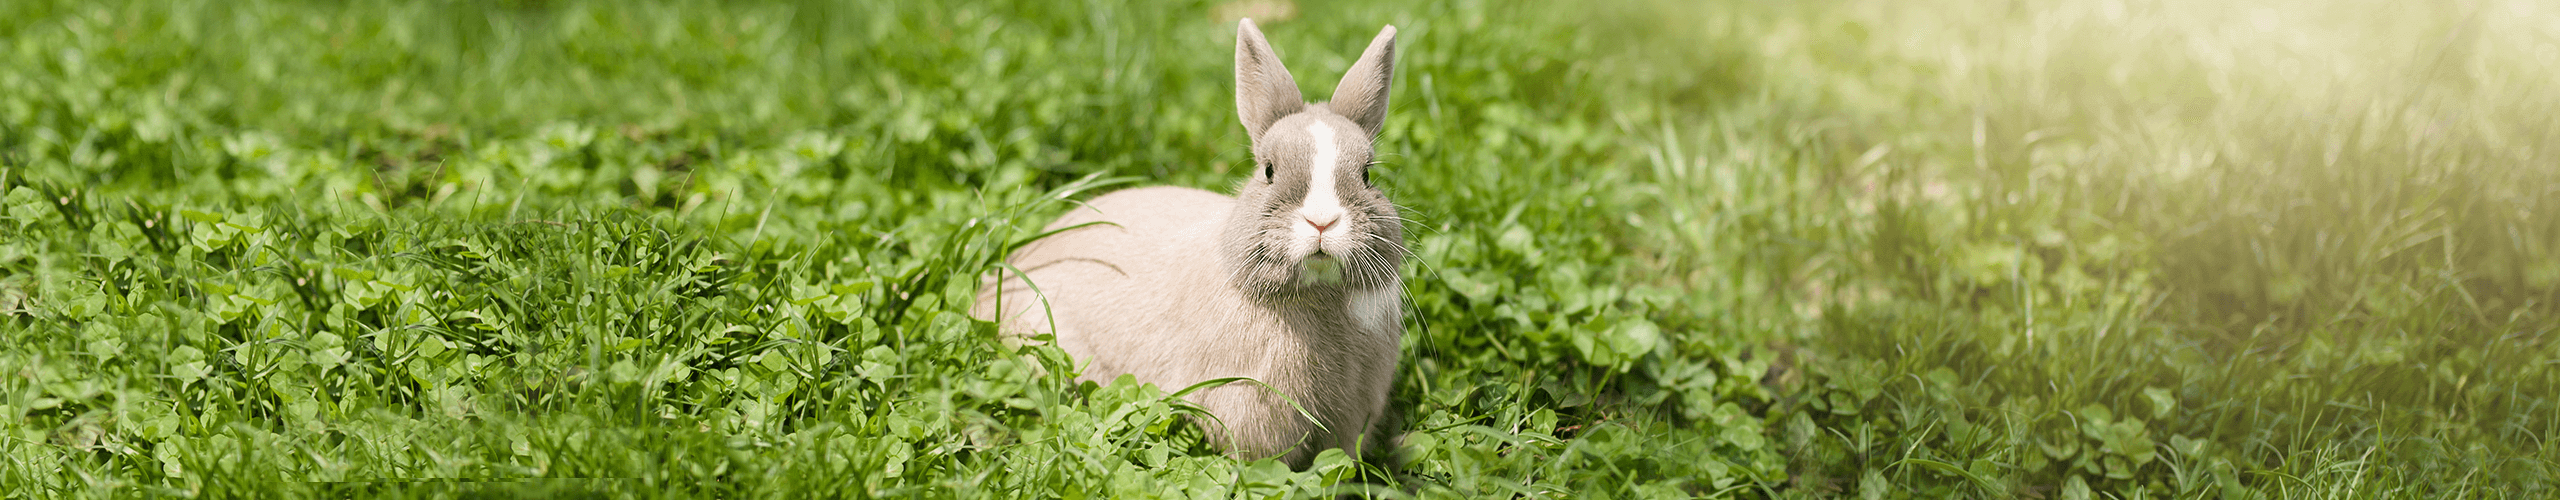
(1186, 285)
(1362, 96)
(1264, 91)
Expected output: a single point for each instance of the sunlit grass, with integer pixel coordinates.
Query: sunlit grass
(2301, 246)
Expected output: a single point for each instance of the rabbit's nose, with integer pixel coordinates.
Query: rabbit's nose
(1323, 224)
(1321, 219)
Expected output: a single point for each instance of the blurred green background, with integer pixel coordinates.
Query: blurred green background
(2075, 249)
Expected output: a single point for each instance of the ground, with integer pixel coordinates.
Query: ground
(2076, 249)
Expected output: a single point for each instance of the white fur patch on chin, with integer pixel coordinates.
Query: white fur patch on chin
(1377, 308)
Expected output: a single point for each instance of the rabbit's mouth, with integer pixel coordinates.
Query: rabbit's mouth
(1305, 266)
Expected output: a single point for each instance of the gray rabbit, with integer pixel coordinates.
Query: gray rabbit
(1294, 282)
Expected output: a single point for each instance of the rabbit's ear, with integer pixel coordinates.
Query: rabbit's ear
(1362, 96)
(1264, 91)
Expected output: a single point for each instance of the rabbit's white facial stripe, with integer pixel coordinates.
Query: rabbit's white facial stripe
(1322, 206)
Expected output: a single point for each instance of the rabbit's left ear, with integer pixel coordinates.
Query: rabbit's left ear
(1362, 95)
(1264, 91)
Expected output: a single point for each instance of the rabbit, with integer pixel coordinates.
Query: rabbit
(1295, 281)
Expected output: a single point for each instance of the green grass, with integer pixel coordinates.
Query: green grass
(2081, 249)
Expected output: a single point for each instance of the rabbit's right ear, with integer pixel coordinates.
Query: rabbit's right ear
(1264, 91)
(1362, 97)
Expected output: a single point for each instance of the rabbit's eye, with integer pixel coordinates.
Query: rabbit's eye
(1364, 177)
(1266, 171)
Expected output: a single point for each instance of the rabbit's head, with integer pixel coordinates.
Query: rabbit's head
(1307, 220)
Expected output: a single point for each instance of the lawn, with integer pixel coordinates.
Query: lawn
(1842, 248)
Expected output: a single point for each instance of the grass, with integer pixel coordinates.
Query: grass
(2080, 249)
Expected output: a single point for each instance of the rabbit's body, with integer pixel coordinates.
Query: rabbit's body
(1127, 302)
(1294, 282)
